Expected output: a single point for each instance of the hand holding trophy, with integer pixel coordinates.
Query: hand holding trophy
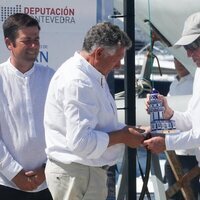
(160, 124)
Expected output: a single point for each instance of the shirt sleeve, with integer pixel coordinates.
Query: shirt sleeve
(8, 166)
(183, 120)
(183, 140)
(81, 108)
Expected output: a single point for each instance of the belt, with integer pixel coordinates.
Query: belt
(105, 167)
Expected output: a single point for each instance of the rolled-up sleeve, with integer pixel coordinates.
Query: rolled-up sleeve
(183, 120)
(8, 166)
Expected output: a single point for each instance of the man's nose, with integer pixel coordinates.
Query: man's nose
(34, 43)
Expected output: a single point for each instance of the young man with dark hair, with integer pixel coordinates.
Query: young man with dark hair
(23, 88)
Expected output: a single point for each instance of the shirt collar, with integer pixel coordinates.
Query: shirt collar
(183, 78)
(87, 67)
(18, 73)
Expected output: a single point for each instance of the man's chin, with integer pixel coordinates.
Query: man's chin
(31, 59)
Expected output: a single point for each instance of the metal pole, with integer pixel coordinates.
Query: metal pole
(129, 82)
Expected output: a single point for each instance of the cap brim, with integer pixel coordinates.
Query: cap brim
(185, 40)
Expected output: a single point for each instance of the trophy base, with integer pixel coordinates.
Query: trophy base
(165, 132)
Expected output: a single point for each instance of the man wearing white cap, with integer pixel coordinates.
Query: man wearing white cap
(187, 122)
(191, 32)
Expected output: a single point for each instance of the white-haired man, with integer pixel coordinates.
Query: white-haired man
(187, 122)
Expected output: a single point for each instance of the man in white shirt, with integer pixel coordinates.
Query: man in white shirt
(83, 134)
(183, 82)
(182, 85)
(187, 122)
(23, 88)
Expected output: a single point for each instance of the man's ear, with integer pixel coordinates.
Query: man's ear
(99, 52)
(8, 43)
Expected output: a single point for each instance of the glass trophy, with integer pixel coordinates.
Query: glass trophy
(159, 125)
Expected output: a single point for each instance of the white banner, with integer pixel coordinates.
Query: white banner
(63, 23)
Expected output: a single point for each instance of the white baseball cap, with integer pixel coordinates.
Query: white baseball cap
(191, 30)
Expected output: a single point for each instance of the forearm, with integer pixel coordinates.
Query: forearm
(128, 135)
(116, 137)
(168, 113)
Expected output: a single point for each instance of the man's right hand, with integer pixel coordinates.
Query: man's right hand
(155, 144)
(133, 137)
(24, 182)
(129, 135)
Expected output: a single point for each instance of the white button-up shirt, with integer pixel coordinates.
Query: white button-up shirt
(79, 113)
(189, 123)
(183, 86)
(22, 98)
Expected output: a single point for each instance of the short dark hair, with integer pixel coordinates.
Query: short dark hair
(16, 22)
(106, 35)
